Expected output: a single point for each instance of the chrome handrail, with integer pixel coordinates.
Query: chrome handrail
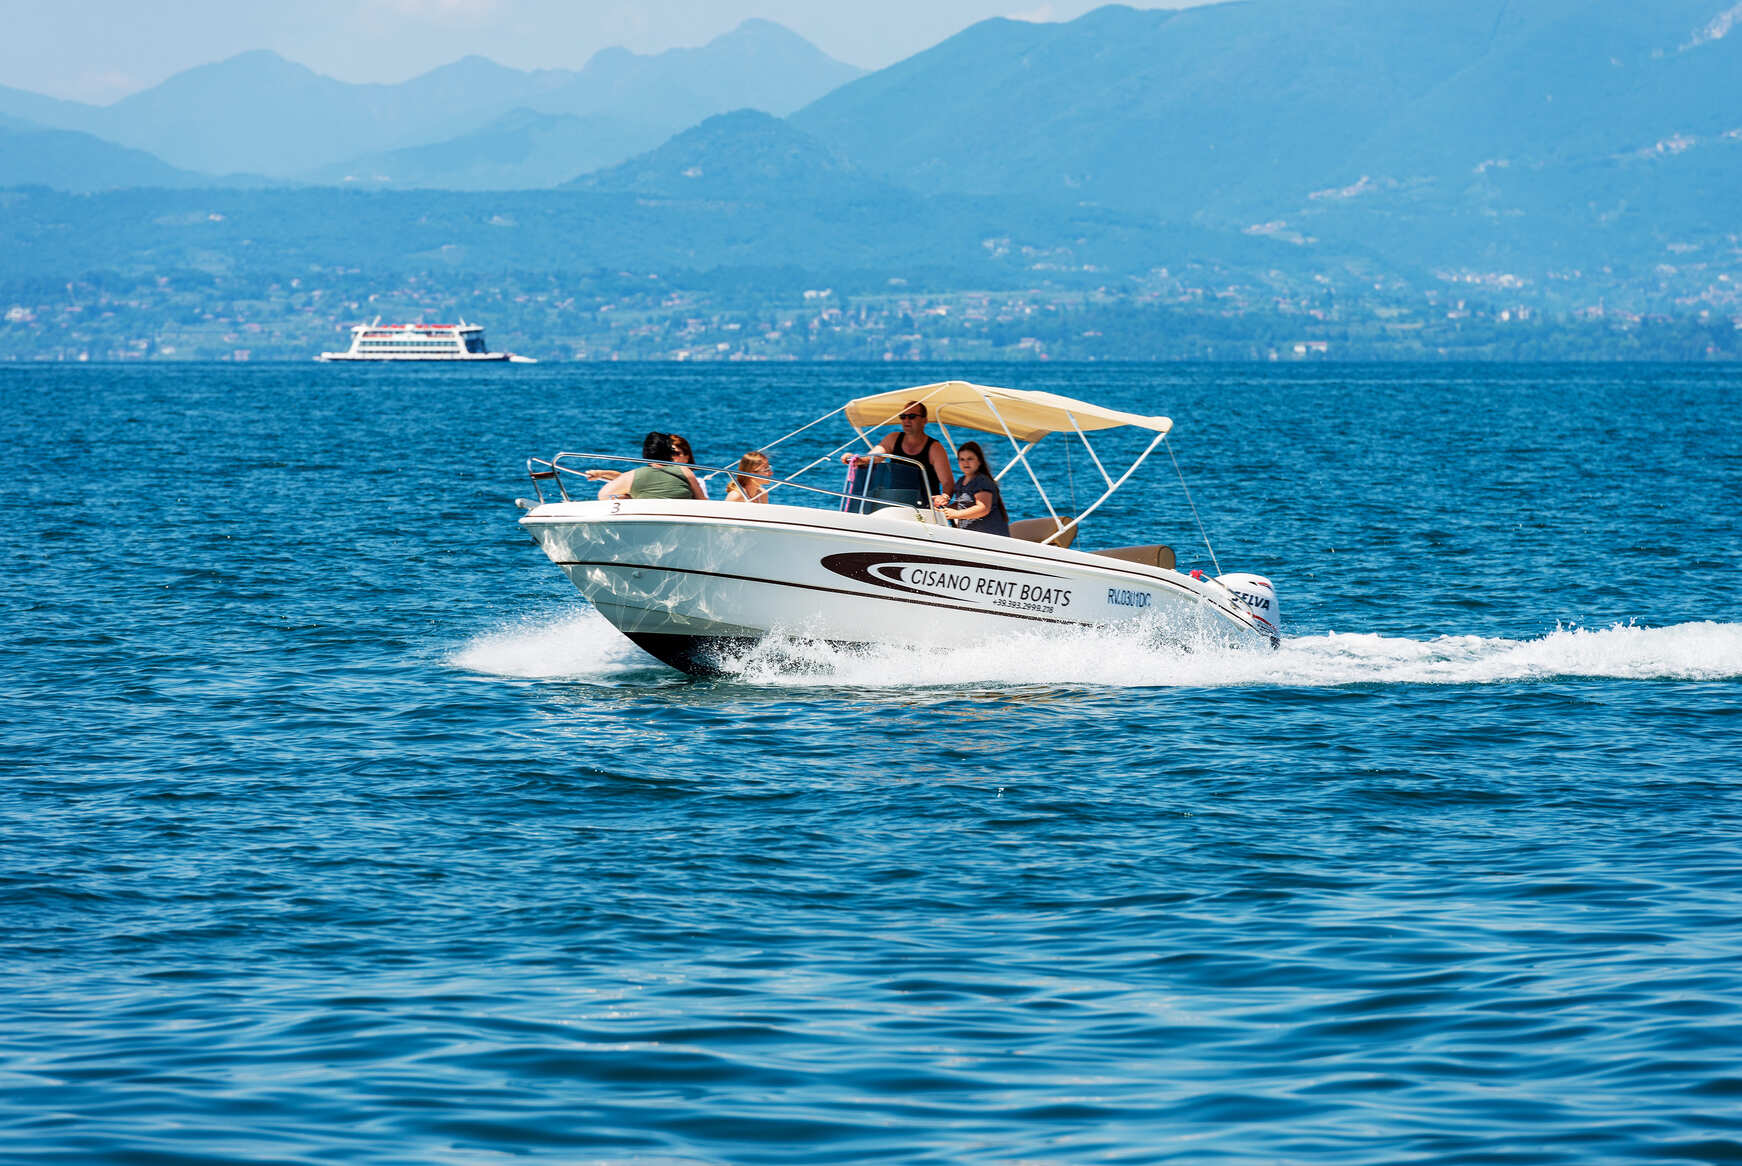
(554, 471)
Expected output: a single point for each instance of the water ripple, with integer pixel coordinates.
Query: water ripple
(336, 828)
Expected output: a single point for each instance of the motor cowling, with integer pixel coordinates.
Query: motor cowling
(1259, 596)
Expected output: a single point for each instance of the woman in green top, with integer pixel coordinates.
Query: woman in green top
(655, 480)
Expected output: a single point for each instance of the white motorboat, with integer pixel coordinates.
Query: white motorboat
(697, 582)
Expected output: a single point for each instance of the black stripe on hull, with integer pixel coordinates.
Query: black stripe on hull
(566, 563)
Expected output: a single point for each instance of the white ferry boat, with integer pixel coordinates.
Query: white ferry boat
(460, 341)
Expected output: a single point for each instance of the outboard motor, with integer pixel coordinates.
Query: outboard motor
(1259, 596)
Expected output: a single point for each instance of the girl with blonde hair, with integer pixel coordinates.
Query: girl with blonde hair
(746, 487)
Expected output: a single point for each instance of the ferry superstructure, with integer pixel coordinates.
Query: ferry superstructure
(440, 342)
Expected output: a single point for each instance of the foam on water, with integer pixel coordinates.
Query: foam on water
(580, 646)
(586, 647)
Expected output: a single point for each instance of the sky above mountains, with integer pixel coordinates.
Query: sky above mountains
(101, 50)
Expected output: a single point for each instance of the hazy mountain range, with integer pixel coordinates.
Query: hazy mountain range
(1493, 122)
(260, 114)
(1427, 135)
(745, 156)
(1239, 107)
(67, 160)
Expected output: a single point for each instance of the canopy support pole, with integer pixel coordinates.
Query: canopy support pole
(1021, 456)
(802, 428)
(949, 441)
(1159, 438)
(1105, 477)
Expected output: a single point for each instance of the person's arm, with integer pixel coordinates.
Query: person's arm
(696, 490)
(618, 487)
(981, 508)
(603, 475)
(940, 464)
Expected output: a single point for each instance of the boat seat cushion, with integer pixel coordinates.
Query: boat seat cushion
(1155, 556)
(1036, 530)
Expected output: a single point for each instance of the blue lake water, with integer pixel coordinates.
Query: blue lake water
(335, 827)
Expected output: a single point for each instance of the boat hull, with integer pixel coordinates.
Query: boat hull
(435, 358)
(696, 583)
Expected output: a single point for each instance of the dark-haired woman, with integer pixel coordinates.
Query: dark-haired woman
(660, 445)
(654, 480)
(680, 453)
(976, 503)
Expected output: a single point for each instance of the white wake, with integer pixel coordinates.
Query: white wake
(585, 647)
(582, 646)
